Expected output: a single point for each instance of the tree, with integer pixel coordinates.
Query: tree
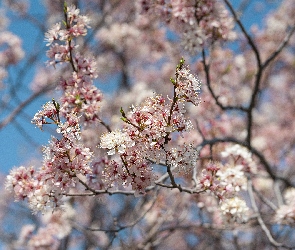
(192, 149)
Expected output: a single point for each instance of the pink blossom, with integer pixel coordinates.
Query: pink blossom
(197, 22)
(52, 34)
(187, 86)
(64, 159)
(49, 112)
(183, 159)
(44, 239)
(12, 52)
(223, 181)
(20, 180)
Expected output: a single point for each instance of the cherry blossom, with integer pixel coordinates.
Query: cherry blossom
(198, 22)
(80, 94)
(183, 159)
(235, 209)
(49, 111)
(169, 156)
(247, 159)
(64, 159)
(11, 52)
(285, 214)
(20, 181)
(187, 86)
(116, 141)
(146, 133)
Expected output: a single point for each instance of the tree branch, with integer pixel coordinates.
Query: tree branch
(280, 48)
(260, 220)
(20, 107)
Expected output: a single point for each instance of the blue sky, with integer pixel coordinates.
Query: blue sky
(14, 148)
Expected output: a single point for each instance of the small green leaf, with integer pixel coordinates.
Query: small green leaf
(181, 63)
(65, 5)
(122, 112)
(56, 104)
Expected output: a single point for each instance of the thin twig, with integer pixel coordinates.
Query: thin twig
(21, 106)
(214, 96)
(132, 224)
(249, 39)
(265, 200)
(259, 218)
(280, 48)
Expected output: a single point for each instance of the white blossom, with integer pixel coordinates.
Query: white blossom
(116, 141)
(235, 209)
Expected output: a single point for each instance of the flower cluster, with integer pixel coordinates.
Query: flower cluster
(235, 209)
(225, 182)
(64, 159)
(55, 227)
(11, 51)
(147, 132)
(232, 178)
(187, 86)
(237, 151)
(116, 141)
(211, 23)
(80, 95)
(183, 159)
(76, 26)
(285, 214)
(20, 180)
(119, 36)
(198, 22)
(49, 111)
(27, 183)
(155, 119)
(133, 170)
